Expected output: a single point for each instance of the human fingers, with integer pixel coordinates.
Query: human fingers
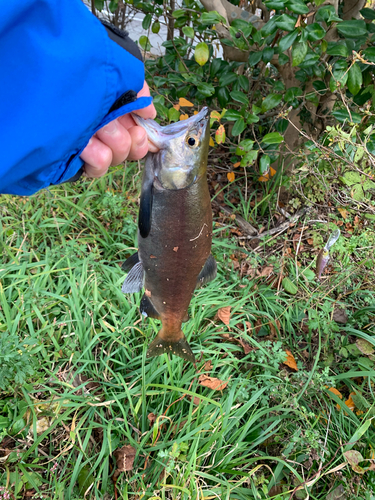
(97, 157)
(128, 122)
(117, 138)
(150, 111)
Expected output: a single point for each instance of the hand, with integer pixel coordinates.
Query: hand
(118, 141)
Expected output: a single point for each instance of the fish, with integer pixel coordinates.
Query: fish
(174, 229)
(323, 256)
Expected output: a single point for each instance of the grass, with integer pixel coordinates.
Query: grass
(85, 388)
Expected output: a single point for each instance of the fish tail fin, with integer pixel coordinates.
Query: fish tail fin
(178, 347)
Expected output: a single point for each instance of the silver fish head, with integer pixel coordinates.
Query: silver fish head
(182, 158)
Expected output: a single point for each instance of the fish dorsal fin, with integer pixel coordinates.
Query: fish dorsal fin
(145, 207)
(148, 309)
(208, 272)
(134, 280)
(130, 262)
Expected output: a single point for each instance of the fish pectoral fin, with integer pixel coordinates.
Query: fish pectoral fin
(130, 262)
(179, 347)
(208, 272)
(134, 280)
(148, 309)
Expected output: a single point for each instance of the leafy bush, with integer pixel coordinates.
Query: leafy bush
(16, 360)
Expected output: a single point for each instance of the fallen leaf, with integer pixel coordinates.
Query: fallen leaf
(175, 249)
(208, 366)
(365, 346)
(339, 315)
(310, 241)
(238, 340)
(211, 142)
(349, 402)
(42, 425)
(290, 361)
(183, 117)
(184, 102)
(177, 106)
(212, 383)
(263, 178)
(272, 171)
(124, 458)
(151, 418)
(266, 271)
(236, 165)
(343, 212)
(231, 176)
(153, 257)
(354, 458)
(335, 391)
(196, 400)
(195, 112)
(224, 314)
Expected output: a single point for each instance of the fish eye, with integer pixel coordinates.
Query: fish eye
(192, 141)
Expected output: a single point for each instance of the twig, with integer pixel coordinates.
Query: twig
(242, 223)
(277, 230)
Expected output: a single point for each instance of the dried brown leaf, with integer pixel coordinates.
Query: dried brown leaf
(212, 383)
(208, 366)
(125, 458)
(224, 314)
(290, 361)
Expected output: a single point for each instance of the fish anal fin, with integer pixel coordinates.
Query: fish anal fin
(179, 348)
(148, 309)
(130, 262)
(208, 272)
(134, 280)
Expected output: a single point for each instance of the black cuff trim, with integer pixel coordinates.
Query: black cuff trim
(122, 39)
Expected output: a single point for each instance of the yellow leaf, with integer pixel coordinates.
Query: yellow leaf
(231, 176)
(220, 134)
(343, 212)
(236, 165)
(263, 178)
(272, 171)
(195, 112)
(212, 144)
(177, 106)
(215, 115)
(184, 117)
(201, 53)
(290, 361)
(349, 402)
(184, 102)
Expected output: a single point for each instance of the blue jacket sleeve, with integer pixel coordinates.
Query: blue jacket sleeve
(61, 75)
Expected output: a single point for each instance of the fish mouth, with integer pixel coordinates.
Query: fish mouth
(160, 136)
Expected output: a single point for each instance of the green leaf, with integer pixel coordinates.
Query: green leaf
(227, 79)
(311, 59)
(223, 96)
(144, 42)
(267, 54)
(289, 286)
(113, 4)
(188, 31)
(201, 53)
(368, 13)
(238, 127)
(271, 101)
(299, 52)
(206, 89)
(320, 86)
(355, 79)
(286, 22)
(254, 58)
(273, 138)
(298, 7)
(249, 158)
(252, 118)
(4, 422)
(292, 93)
(342, 114)
(315, 32)
(212, 17)
(352, 29)
(99, 5)
(287, 41)
(270, 27)
(337, 49)
(369, 54)
(246, 145)
(244, 82)
(327, 14)
(232, 115)
(283, 59)
(173, 115)
(155, 28)
(239, 96)
(275, 4)
(146, 23)
(264, 164)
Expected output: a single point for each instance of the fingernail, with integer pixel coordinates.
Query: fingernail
(111, 127)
